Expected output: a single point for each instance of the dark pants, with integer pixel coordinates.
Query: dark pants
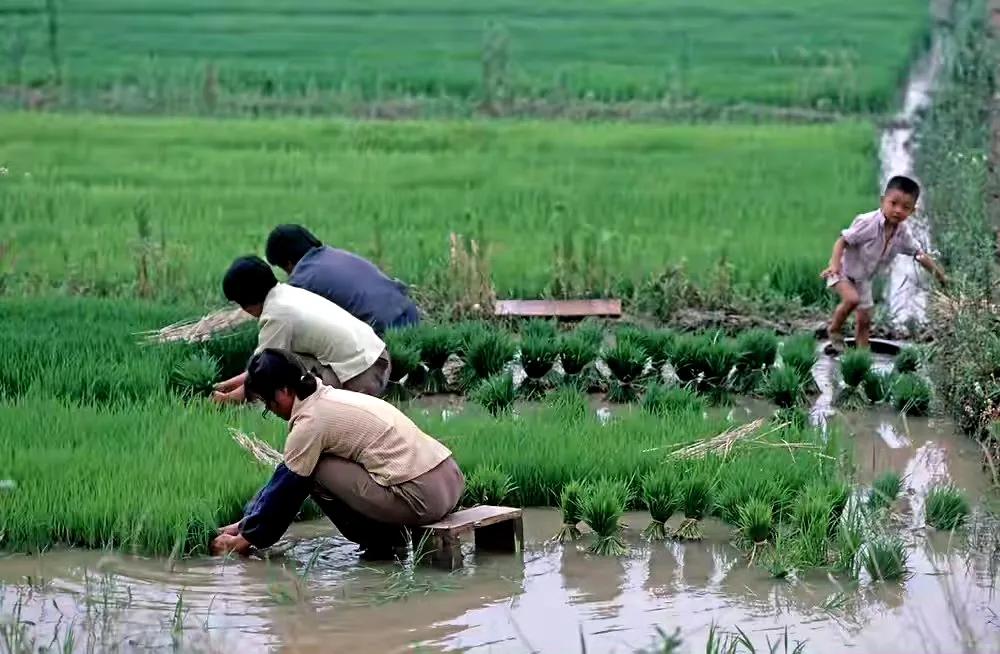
(409, 318)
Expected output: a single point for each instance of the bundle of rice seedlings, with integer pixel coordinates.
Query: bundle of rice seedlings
(696, 501)
(496, 394)
(911, 395)
(877, 386)
(755, 522)
(196, 375)
(577, 355)
(538, 355)
(781, 559)
(715, 360)
(854, 365)
(626, 360)
(756, 350)
(850, 536)
(885, 490)
(405, 355)
(660, 493)
(946, 508)
(799, 352)
(811, 516)
(908, 360)
(796, 417)
(783, 386)
(486, 355)
(570, 404)
(662, 400)
(436, 344)
(659, 343)
(632, 334)
(200, 329)
(468, 332)
(602, 507)
(591, 332)
(684, 354)
(569, 503)
(885, 558)
(488, 484)
(539, 329)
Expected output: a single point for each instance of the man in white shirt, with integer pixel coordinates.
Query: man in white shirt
(341, 350)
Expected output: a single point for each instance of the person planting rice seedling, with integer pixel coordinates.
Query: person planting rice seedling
(863, 250)
(346, 279)
(369, 467)
(334, 345)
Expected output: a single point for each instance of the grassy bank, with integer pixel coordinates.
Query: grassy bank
(182, 56)
(158, 208)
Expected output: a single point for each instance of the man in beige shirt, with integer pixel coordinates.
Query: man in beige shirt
(372, 471)
(334, 345)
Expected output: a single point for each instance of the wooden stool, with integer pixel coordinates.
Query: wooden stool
(495, 528)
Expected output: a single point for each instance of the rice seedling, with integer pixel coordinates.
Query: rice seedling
(884, 558)
(577, 354)
(404, 353)
(799, 352)
(812, 514)
(908, 360)
(626, 360)
(839, 492)
(781, 559)
(850, 536)
(911, 394)
(569, 405)
(468, 332)
(538, 355)
(796, 417)
(662, 400)
(783, 386)
(436, 343)
(885, 490)
(496, 394)
(854, 366)
(945, 508)
(602, 507)
(659, 343)
(590, 331)
(697, 499)
(660, 493)
(705, 361)
(756, 351)
(569, 504)
(486, 355)
(488, 485)
(755, 524)
(877, 386)
(196, 375)
(539, 329)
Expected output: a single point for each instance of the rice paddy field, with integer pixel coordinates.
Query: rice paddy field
(848, 55)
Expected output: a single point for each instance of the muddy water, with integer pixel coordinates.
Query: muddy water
(319, 598)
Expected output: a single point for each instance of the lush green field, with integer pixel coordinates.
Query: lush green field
(768, 200)
(849, 54)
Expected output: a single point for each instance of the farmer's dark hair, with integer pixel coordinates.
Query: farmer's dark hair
(904, 184)
(286, 244)
(271, 370)
(248, 281)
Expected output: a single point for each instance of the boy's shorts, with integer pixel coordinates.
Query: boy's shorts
(862, 286)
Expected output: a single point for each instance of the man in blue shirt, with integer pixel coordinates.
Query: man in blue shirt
(346, 279)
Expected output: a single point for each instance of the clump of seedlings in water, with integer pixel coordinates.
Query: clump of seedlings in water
(496, 394)
(659, 343)
(662, 400)
(626, 360)
(799, 352)
(696, 501)
(705, 362)
(577, 354)
(780, 560)
(885, 558)
(404, 352)
(436, 343)
(885, 490)
(196, 375)
(854, 365)
(849, 538)
(812, 515)
(488, 484)
(784, 387)
(538, 356)
(911, 395)
(569, 403)
(756, 350)
(660, 493)
(908, 360)
(945, 508)
(486, 355)
(569, 504)
(878, 386)
(602, 507)
(755, 522)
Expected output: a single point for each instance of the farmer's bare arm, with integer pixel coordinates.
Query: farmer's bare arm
(231, 384)
(927, 261)
(838, 252)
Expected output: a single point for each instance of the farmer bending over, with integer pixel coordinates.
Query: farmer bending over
(863, 250)
(342, 277)
(335, 346)
(369, 467)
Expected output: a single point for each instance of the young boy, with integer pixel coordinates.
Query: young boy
(863, 250)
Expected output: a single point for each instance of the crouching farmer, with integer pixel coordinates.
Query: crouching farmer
(370, 469)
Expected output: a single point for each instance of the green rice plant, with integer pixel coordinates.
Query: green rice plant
(537, 328)
(626, 360)
(755, 524)
(602, 507)
(569, 503)
(756, 351)
(697, 499)
(839, 492)
(849, 538)
(705, 361)
(590, 331)
(436, 343)
(634, 335)
(577, 354)
(569, 405)
(196, 375)
(812, 514)
(783, 386)
(885, 490)
(468, 332)
(662, 400)
(796, 417)
(877, 386)
(486, 355)
(911, 394)
(496, 394)
(406, 370)
(854, 366)
(538, 355)
(908, 360)
(660, 493)
(945, 508)
(659, 343)
(799, 352)
(781, 559)
(884, 557)
(488, 485)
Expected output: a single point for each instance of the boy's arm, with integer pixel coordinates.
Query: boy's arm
(927, 261)
(838, 253)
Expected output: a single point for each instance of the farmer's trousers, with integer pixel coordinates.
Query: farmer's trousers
(372, 381)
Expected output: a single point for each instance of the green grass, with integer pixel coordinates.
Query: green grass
(647, 196)
(849, 55)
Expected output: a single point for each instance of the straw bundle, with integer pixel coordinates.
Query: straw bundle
(257, 448)
(722, 443)
(201, 329)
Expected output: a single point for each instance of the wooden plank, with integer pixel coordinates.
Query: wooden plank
(606, 308)
(474, 518)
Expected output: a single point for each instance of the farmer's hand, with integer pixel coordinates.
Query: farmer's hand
(230, 530)
(830, 271)
(225, 543)
(227, 385)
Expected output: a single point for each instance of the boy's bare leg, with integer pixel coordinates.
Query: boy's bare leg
(848, 302)
(863, 318)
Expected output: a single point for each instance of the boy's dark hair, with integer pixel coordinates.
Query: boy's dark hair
(271, 370)
(248, 281)
(904, 184)
(286, 244)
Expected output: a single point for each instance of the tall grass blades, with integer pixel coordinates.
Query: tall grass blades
(486, 354)
(877, 386)
(799, 352)
(911, 395)
(783, 386)
(496, 394)
(885, 490)
(885, 558)
(196, 375)
(661, 495)
(538, 355)
(569, 504)
(488, 485)
(626, 360)
(945, 508)
(661, 400)
(436, 343)
(602, 507)
(696, 500)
